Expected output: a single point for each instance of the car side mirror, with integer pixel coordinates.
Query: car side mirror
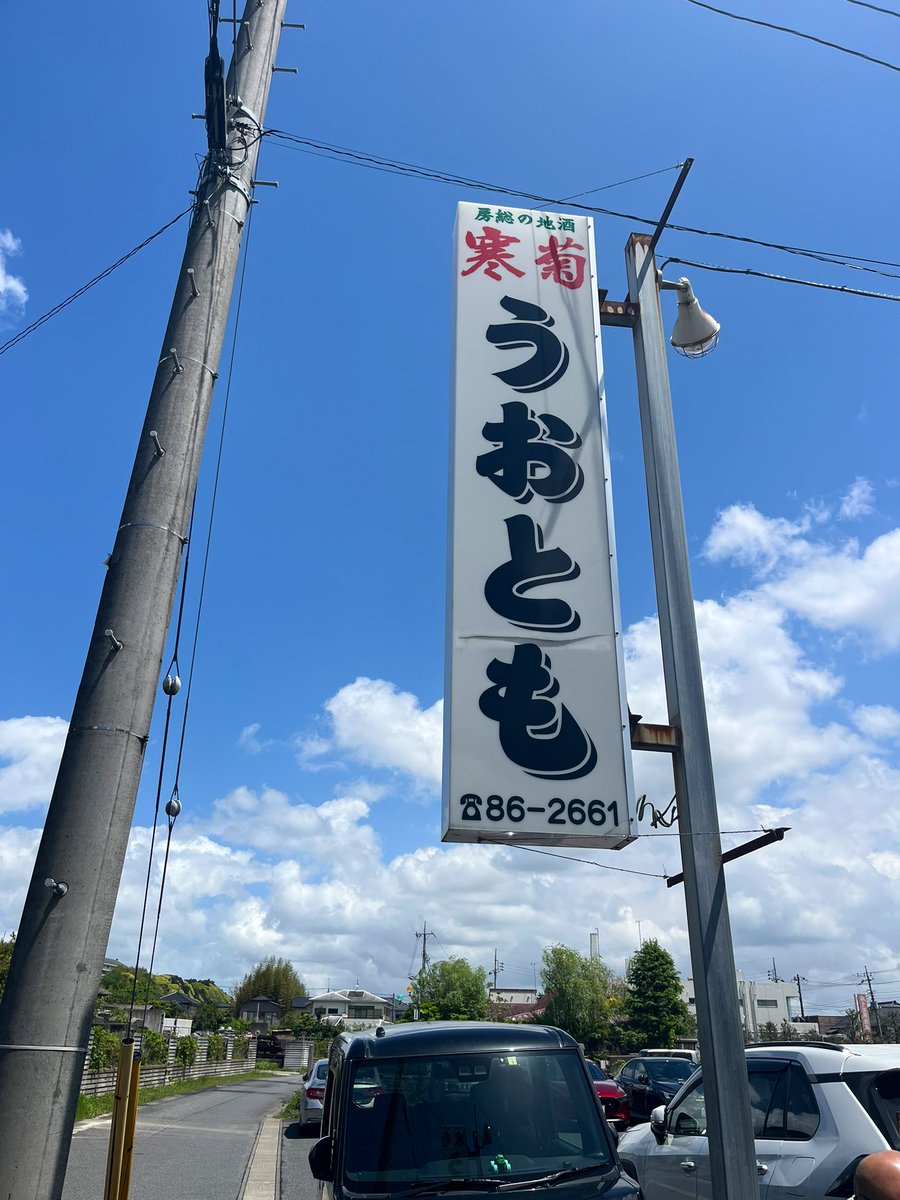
(658, 1123)
(305, 1078)
(643, 1078)
(320, 1159)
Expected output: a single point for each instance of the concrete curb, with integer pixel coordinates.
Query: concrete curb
(261, 1178)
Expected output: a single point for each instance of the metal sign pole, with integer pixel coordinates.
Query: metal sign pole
(731, 1150)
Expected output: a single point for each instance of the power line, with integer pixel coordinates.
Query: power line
(86, 287)
(828, 287)
(320, 149)
(889, 12)
(879, 62)
(569, 858)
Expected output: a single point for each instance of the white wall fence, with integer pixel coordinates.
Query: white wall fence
(96, 1083)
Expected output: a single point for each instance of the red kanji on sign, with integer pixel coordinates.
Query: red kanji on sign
(491, 252)
(558, 264)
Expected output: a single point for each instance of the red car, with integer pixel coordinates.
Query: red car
(611, 1097)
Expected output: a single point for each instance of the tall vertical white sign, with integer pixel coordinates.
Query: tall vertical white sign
(536, 739)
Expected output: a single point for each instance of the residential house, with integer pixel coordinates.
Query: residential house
(352, 1007)
(186, 1005)
(262, 1012)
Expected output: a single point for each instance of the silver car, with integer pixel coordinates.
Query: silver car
(817, 1110)
(313, 1093)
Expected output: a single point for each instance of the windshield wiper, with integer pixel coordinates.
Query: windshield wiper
(522, 1185)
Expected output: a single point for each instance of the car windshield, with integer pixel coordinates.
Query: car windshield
(669, 1070)
(595, 1071)
(486, 1118)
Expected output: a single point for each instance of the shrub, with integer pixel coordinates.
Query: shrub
(239, 1050)
(186, 1051)
(154, 1047)
(104, 1050)
(215, 1048)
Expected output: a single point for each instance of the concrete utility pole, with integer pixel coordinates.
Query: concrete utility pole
(48, 1005)
(868, 979)
(424, 935)
(732, 1159)
(498, 967)
(798, 979)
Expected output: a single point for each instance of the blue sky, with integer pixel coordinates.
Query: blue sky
(311, 807)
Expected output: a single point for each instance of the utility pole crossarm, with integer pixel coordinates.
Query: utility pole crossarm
(48, 1004)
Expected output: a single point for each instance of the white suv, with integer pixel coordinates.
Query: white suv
(817, 1110)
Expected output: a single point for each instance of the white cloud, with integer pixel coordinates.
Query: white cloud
(247, 739)
(330, 832)
(760, 695)
(13, 293)
(30, 749)
(859, 500)
(886, 864)
(18, 848)
(849, 589)
(744, 536)
(877, 720)
(380, 726)
(835, 587)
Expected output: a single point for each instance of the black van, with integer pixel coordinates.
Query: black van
(428, 1108)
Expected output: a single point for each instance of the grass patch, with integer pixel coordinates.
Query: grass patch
(268, 1064)
(98, 1106)
(291, 1110)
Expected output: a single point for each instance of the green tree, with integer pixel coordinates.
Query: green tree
(768, 1032)
(6, 949)
(215, 1048)
(186, 1051)
(104, 1050)
(451, 990)
(209, 1016)
(579, 993)
(154, 1047)
(654, 1006)
(273, 977)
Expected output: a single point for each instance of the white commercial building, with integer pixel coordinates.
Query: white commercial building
(761, 1003)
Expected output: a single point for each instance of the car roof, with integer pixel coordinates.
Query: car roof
(661, 1058)
(827, 1058)
(420, 1038)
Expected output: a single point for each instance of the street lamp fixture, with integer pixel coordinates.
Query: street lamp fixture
(696, 333)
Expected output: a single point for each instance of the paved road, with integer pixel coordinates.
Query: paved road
(296, 1181)
(193, 1147)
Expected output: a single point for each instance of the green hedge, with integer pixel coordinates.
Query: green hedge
(154, 1048)
(186, 1051)
(104, 1050)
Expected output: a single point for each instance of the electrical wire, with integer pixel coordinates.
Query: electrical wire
(212, 509)
(828, 287)
(879, 62)
(569, 858)
(159, 783)
(290, 141)
(86, 287)
(203, 576)
(888, 12)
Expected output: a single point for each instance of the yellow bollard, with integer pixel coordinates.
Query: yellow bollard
(117, 1128)
(130, 1121)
